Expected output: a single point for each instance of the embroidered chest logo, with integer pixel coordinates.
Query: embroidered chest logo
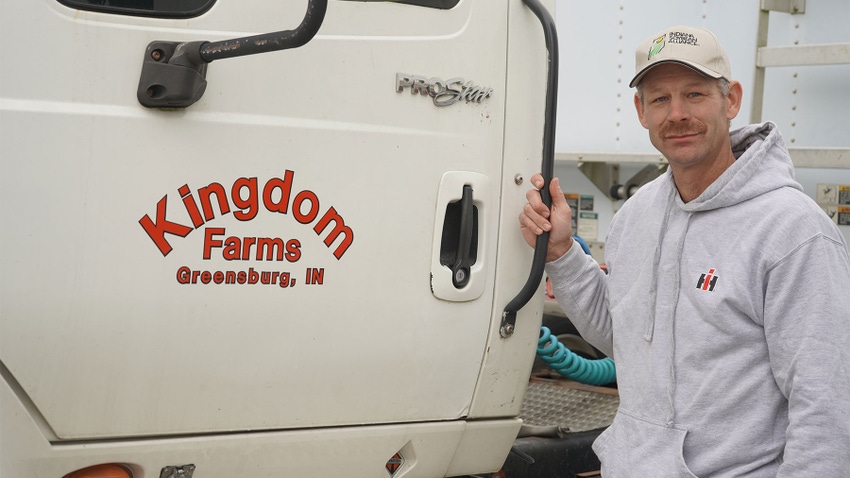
(707, 281)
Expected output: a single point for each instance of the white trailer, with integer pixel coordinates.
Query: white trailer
(791, 56)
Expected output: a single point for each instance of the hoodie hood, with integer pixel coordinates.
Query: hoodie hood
(762, 165)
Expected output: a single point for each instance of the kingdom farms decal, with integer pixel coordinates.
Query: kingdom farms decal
(245, 199)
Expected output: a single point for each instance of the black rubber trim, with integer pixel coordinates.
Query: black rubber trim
(142, 8)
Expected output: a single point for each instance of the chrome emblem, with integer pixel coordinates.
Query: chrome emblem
(444, 92)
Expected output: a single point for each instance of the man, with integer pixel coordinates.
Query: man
(727, 304)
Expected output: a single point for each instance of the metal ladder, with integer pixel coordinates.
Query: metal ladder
(796, 55)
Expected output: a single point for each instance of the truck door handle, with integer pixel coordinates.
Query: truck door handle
(466, 239)
(461, 248)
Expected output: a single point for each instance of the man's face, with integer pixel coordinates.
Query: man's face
(687, 115)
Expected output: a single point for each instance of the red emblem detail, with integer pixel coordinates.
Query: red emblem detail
(394, 464)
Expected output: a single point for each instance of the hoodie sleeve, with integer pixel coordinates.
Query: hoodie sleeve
(807, 327)
(580, 287)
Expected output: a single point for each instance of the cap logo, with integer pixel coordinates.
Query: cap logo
(683, 38)
(657, 46)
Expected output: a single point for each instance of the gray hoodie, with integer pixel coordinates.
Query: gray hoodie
(729, 320)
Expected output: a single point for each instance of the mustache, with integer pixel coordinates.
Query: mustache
(682, 128)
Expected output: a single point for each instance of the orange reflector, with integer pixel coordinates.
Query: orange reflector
(109, 470)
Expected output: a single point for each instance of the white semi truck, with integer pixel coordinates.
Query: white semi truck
(233, 253)
(297, 262)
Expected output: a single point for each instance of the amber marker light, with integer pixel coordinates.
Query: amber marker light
(109, 470)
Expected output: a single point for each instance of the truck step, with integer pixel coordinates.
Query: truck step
(561, 419)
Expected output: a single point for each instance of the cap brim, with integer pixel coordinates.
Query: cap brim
(700, 69)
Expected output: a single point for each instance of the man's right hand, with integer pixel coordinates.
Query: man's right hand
(537, 218)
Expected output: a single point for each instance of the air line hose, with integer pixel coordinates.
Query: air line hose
(572, 366)
(566, 362)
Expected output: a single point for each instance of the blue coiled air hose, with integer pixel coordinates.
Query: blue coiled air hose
(572, 366)
(566, 362)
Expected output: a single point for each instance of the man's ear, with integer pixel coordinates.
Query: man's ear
(733, 99)
(640, 111)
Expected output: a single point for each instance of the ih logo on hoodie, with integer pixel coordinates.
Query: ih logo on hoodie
(707, 281)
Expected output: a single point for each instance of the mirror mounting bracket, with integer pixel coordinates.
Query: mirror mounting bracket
(174, 73)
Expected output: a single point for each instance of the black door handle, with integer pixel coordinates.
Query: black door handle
(459, 244)
(463, 261)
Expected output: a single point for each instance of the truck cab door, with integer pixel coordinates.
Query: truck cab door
(281, 255)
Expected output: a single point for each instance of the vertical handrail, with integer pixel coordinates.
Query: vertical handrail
(547, 168)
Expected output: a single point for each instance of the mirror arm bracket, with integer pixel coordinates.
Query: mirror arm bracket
(174, 73)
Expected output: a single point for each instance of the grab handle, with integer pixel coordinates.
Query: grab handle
(550, 34)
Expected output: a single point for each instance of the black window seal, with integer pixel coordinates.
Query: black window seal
(439, 4)
(137, 12)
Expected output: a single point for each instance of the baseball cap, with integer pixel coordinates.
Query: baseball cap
(697, 48)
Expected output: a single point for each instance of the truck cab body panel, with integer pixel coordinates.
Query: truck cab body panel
(262, 261)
